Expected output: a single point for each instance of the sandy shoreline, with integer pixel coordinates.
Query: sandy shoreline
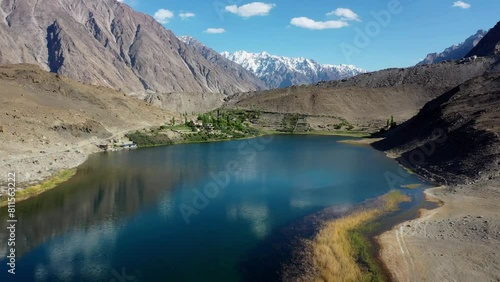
(361, 141)
(459, 241)
(43, 162)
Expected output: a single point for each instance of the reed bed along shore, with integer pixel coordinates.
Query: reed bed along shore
(341, 251)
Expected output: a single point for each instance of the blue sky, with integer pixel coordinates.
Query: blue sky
(328, 31)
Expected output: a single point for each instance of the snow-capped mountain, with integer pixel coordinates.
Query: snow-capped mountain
(278, 71)
(222, 62)
(455, 52)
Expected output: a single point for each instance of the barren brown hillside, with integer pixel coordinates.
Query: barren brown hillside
(456, 135)
(49, 122)
(107, 43)
(367, 99)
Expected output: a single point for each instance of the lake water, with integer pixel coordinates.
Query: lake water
(194, 212)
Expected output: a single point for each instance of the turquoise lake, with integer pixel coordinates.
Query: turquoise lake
(194, 212)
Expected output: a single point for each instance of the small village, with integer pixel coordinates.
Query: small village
(212, 126)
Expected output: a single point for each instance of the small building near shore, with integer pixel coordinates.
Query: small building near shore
(129, 145)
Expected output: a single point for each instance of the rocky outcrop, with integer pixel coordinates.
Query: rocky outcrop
(455, 138)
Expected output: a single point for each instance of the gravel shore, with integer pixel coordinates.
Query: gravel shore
(459, 241)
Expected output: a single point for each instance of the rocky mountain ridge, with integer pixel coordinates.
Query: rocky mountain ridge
(113, 45)
(455, 52)
(279, 71)
(489, 45)
(228, 65)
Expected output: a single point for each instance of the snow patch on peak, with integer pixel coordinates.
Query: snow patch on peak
(187, 39)
(280, 71)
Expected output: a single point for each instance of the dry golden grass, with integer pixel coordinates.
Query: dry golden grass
(23, 194)
(334, 252)
(411, 186)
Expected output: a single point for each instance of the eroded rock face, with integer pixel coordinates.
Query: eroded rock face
(104, 42)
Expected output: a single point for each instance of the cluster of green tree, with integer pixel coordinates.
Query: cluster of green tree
(149, 139)
(228, 120)
(289, 122)
(227, 124)
(391, 123)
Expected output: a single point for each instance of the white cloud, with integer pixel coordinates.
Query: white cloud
(461, 4)
(345, 14)
(214, 30)
(163, 16)
(251, 9)
(187, 15)
(312, 24)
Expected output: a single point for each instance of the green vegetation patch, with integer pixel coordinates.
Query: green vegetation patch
(341, 251)
(149, 139)
(290, 122)
(363, 251)
(218, 125)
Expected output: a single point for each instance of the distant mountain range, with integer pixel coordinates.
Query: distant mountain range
(455, 52)
(107, 43)
(489, 45)
(278, 71)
